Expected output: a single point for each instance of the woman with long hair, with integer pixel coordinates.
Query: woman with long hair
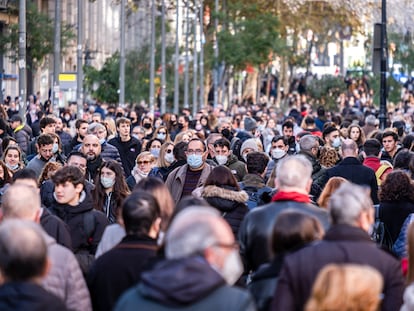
(166, 157)
(330, 187)
(222, 191)
(356, 133)
(162, 134)
(396, 198)
(110, 189)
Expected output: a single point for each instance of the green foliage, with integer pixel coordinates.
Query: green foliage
(137, 73)
(105, 79)
(39, 38)
(326, 90)
(394, 89)
(249, 36)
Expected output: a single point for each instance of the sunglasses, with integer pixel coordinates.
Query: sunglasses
(143, 162)
(168, 151)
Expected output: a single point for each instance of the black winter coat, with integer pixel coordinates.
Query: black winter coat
(28, 296)
(119, 269)
(352, 169)
(257, 225)
(231, 204)
(393, 214)
(74, 217)
(341, 244)
(56, 228)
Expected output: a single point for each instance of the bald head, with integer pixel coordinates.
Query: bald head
(193, 230)
(22, 202)
(349, 148)
(23, 250)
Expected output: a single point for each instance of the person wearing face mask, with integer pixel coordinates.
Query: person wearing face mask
(58, 155)
(110, 190)
(185, 179)
(147, 125)
(202, 263)
(278, 150)
(12, 157)
(144, 162)
(162, 134)
(183, 125)
(154, 146)
(224, 156)
(164, 161)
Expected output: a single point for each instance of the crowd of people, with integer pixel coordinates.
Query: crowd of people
(241, 209)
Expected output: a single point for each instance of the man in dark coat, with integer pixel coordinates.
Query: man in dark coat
(352, 169)
(75, 208)
(202, 263)
(24, 262)
(346, 241)
(293, 182)
(120, 268)
(129, 147)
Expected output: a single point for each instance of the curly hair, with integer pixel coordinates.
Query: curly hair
(397, 187)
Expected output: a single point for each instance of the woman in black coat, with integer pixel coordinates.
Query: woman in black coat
(396, 202)
(222, 191)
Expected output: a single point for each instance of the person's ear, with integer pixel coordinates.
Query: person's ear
(309, 185)
(47, 267)
(155, 228)
(79, 188)
(37, 216)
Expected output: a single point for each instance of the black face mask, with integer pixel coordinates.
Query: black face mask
(180, 126)
(225, 133)
(119, 115)
(147, 125)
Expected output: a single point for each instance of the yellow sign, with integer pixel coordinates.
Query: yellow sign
(68, 77)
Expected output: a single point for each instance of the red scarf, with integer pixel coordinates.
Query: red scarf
(291, 196)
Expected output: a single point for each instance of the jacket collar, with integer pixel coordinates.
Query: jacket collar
(344, 232)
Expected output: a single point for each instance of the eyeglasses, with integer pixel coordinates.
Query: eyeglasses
(197, 151)
(168, 151)
(143, 162)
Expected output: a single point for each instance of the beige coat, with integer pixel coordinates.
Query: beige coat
(176, 179)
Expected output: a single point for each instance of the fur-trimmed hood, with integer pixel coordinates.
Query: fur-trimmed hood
(223, 193)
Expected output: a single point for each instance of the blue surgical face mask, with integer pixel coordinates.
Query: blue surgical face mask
(336, 142)
(55, 148)
(161, 136)
(195, 160)
(169, 157)
(155, 152)
(107, 182)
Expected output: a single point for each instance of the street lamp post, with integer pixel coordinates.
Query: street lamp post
(122, 56)
(79, 67)
(152, 59)
(384, 56)
(195, 65)
(22, 60)
(56, 57)
(176, 60)
(163, 69)
(201, 56)
(187, 34)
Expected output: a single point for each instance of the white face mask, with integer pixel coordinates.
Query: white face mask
(55, 148)
(221, 159)
(278, 153)
(107, 182)
(233, 268)
(169, 157)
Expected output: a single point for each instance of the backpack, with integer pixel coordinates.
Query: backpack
(84, 256)
(380, 233)
(257, 197)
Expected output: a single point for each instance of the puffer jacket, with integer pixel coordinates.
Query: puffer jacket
(230, 202)
(65, 278)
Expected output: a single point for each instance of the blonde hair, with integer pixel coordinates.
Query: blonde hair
(347, 287)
